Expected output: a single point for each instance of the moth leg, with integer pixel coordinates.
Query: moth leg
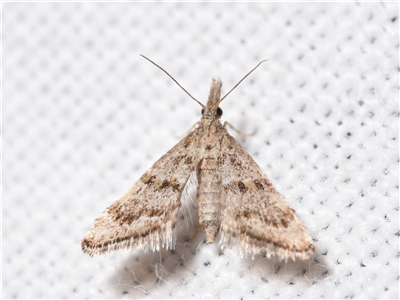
(226, 123)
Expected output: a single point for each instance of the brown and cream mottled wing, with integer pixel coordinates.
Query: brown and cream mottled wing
(255, 217)
(145, 217)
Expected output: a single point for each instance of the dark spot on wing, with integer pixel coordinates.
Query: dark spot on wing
(173, 184)
(234, 162)
(188, 160)
(242, 187)
(148, 179)
(258, 184)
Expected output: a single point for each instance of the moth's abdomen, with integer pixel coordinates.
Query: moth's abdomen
(208, 197)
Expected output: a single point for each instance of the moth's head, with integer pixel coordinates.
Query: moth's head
(212, 109)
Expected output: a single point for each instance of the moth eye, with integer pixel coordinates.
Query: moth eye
(202, 111)
(219, 112)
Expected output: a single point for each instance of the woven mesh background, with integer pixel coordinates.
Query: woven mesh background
(84, 116)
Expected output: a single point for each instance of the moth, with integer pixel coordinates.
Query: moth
(236, 202)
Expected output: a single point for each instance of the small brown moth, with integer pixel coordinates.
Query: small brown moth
(235, 199)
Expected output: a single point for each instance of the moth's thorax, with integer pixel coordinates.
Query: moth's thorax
(211, 111)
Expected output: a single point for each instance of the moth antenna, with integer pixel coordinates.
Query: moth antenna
(202, 105)
(243, 79)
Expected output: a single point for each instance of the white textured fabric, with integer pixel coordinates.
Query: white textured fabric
(84, 116)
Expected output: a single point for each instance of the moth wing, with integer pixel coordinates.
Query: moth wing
(255, 216)
(145, 217)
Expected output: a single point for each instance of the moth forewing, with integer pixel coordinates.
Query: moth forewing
(234, 198)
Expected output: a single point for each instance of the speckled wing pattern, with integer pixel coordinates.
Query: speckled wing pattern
(255, 217)
(236, 201)
(145, 217)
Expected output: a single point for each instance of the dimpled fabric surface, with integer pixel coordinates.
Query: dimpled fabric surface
(84, 116)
